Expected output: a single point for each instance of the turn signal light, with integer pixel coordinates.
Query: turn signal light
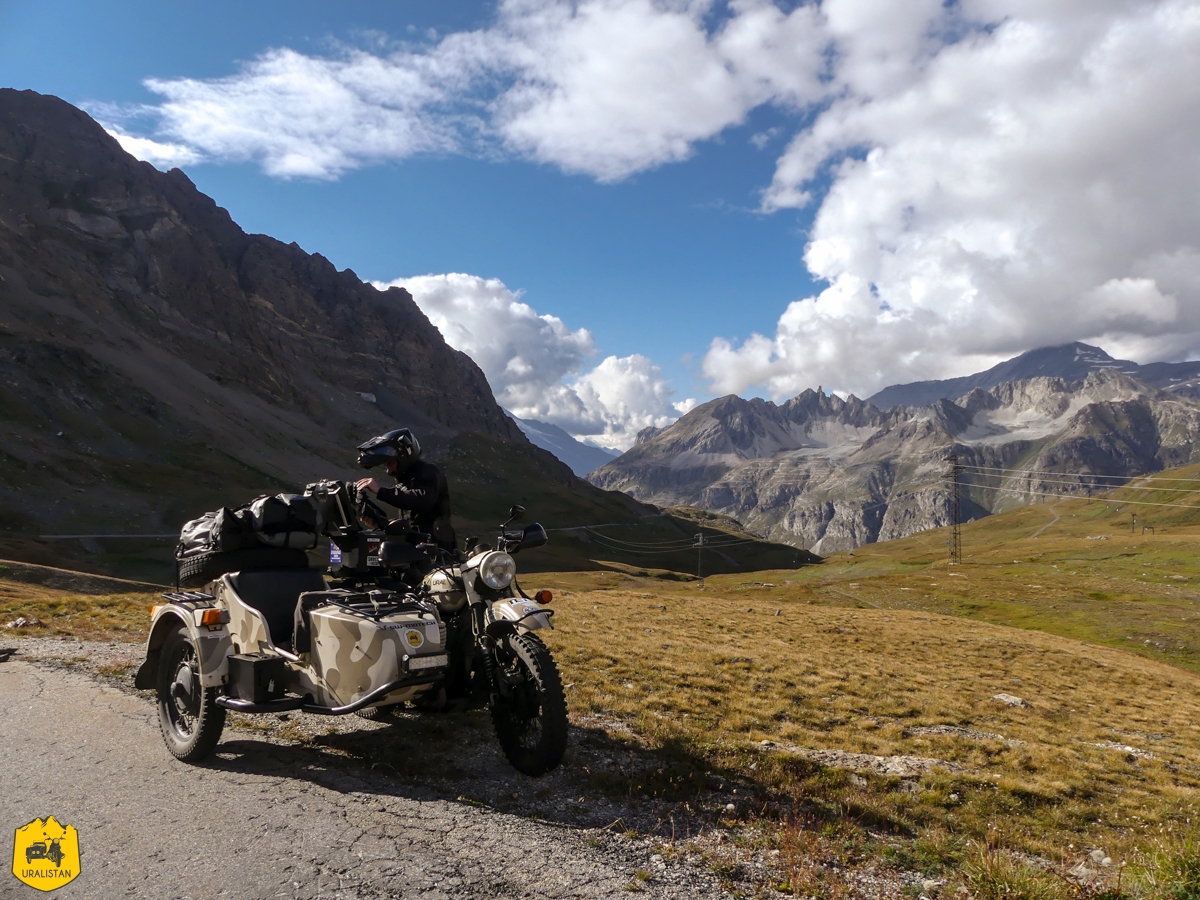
(211, 617)
(543, 596)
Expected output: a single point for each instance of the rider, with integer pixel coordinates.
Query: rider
(421, 487)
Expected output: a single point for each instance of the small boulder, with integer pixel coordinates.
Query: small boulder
(1011, 700)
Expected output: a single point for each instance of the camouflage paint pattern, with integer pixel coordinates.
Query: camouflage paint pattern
(247, 627)
(352, 656)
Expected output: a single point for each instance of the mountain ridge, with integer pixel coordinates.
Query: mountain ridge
(830, 474)
(1071, 361)
(582, 458)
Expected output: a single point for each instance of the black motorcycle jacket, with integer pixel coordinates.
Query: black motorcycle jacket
(423, 491)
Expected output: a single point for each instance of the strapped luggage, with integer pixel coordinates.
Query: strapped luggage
(288, 521)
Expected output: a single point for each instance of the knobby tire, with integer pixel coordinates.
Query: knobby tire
(190, 738)
(531, 724)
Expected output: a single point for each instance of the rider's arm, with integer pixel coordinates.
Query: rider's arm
(421, 496)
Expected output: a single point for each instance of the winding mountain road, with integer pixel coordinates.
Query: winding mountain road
(267, 819)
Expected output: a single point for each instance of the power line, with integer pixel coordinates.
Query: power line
(1081, 474)
(1104, 487)
(686, 542)
(1194, 506)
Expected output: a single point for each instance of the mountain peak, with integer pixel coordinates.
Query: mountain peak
(1071, 362)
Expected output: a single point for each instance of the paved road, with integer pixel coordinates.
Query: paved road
(266, 819)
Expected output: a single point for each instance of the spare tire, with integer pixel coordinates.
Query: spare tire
(199, 570)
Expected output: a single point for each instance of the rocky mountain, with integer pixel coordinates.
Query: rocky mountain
(1071, 362)
(831, 474)
(151, 351)
(582, 458)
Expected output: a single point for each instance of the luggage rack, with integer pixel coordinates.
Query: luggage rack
(190, 599)
(365, 604)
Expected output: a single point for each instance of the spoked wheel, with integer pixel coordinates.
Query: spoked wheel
(188, 713)
(531, 720)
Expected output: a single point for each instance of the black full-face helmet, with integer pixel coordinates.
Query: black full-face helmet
(400, 445)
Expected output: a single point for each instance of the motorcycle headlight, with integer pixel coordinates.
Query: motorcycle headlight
(497, 570)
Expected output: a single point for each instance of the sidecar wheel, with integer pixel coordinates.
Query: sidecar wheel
(531, 723)
(188, 714)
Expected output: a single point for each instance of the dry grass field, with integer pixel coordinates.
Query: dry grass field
(842, 715)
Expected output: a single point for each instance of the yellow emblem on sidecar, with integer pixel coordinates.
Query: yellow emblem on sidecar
(46, 854)
(415, 638)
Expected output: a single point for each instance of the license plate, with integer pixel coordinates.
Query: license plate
(427, 662)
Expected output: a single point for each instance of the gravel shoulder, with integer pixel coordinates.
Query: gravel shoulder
(302, 807)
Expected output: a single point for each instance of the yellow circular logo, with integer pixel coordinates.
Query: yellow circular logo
(414, 638)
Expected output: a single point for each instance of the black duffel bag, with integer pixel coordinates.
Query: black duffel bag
(222, 531)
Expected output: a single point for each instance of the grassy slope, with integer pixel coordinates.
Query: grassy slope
(1074, 568)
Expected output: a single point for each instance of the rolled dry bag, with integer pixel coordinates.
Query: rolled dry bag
(221, 531)
(286, 520)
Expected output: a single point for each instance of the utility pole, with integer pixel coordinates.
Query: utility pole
(699, 555)
(955, 528)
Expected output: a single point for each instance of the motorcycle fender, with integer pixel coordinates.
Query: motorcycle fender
(213, 647)
(519, 613)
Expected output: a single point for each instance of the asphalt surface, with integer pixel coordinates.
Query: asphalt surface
(268, 819)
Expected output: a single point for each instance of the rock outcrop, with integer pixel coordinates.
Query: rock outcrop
(831, 474)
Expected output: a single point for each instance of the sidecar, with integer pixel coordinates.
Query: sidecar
(273, 640)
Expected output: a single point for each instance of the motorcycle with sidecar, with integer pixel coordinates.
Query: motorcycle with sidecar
(398, 622)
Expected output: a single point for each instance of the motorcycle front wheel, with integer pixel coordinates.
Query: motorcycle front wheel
(188, 713)
(531, 720)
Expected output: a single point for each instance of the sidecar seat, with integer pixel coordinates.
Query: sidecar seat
(274, 593)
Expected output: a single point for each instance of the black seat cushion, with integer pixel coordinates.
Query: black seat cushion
(274, 592)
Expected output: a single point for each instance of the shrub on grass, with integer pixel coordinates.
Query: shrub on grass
(994, 874)
(1172, 870)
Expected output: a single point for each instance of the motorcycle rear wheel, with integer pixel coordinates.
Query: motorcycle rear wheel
(188, 714)
(531, 722)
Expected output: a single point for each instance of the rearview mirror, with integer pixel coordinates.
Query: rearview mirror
(515, 512)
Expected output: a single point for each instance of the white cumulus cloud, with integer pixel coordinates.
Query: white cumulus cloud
(987, 175)
(536, 365)
(303, 116)
(159, 154)
(1002, 175)
(603, 87)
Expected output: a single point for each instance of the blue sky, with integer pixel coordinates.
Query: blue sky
(657, 264)
(740, 196)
